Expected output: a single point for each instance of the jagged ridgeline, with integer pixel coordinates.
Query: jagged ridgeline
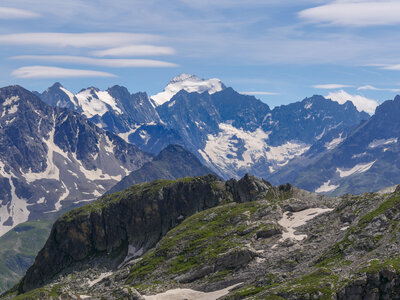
(204, 234)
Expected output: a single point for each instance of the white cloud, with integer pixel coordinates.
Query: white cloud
(78, 40)
(391, 67)
(373, 88)
(111, 63)
(331, 86)
(259, 93)
(360, 102)
(135, 50)
(355, 13)
(54, 72)
(8, 13)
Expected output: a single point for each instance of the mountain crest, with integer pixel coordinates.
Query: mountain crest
(189, 83)
(183, 77)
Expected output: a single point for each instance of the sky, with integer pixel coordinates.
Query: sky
(279, 51)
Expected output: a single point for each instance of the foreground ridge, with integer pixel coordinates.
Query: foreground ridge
(239, 239)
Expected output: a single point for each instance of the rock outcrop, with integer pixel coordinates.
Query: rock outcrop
(138, 216)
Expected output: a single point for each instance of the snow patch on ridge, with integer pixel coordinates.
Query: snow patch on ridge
(234, 148)
(189, 83)
(360, 168)
(94, 102)
(70, 96)
(292, 220)
(334, 143)
(188, 294)
(16, 209)
(382, 142)
(52, 171)
(326, 187)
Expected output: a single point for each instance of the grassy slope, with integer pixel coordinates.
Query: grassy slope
(18, 249)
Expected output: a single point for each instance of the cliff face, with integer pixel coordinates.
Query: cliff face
(138, 216)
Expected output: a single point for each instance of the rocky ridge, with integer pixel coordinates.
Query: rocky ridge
(173, 162)
(204, 234)
(366, 158)
(52, 158)
(229, 132)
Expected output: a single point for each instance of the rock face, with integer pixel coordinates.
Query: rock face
(384, 284)
(366, 160)
(232, 134)
(139, 216)
(171, 163)
(51, 158)
(249, 188)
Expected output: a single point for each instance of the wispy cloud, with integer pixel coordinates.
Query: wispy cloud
(135, 50)
(373, 88)
(331, 86)
(9, 13)
(355, 13)
(395, 67)
(360, 102)
(102, 62)
(78, 40)
(259, 93)
(55, 72)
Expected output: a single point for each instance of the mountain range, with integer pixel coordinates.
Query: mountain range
(53, 158)
(229, 132)
(60, 150)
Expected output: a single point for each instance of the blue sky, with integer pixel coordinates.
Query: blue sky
(282, 51)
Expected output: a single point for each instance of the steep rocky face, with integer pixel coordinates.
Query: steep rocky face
(115, 109)
(231, 133)
(311, 119)
(367, 158)
(138, 217)
(154, 137)
(171, 163)
(235, 134)
(57, 95)
(193, 115)
(52, 158)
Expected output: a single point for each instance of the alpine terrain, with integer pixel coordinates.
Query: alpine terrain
(202, 238)
(229, 132)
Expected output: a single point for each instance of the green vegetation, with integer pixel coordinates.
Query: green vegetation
(322, 283)
(248, 291)
(198, 242)
(377, 265)
(40, 293)
(334, 257)
(138, 191)
(18, 249)
(385, 206)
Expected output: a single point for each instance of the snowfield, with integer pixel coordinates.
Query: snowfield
(189, 83)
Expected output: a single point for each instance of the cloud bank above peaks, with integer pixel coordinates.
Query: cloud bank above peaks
(102, 62)
(354, 13)
(32, 72)
(331, 86)
(77, 40)
(135, 50)
(361, 103)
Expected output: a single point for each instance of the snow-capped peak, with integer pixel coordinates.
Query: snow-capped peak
(93, 102)
(185, 77)
(190, 83)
